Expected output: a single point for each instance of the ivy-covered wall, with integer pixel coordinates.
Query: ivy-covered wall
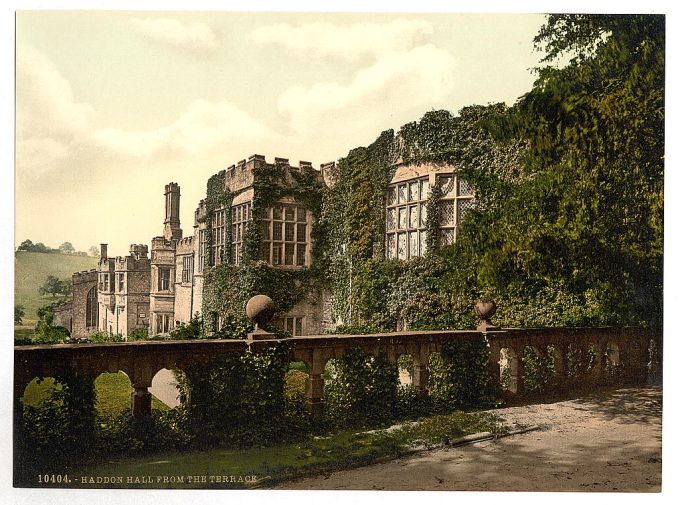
(535, 287)
(227, 287)
(385, 294)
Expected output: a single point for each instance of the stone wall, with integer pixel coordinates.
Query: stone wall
(62, 313)
(83, 282)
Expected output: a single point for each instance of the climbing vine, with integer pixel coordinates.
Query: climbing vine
(227, 287)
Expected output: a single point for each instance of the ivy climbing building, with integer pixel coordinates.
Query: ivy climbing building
(327, 245)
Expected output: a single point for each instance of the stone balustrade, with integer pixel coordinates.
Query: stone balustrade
(142, 360)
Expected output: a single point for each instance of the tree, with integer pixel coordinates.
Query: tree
(26, 245)
(19, 313)
(94, 251)
(53, 286)
(588, 221)
(41, 248)
(67, 248)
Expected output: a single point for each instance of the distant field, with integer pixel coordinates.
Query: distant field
(30, 271)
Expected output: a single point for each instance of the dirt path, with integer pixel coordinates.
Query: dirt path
(605, 442)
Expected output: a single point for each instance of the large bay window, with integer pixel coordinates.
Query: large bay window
(284, 235)
(406, 213)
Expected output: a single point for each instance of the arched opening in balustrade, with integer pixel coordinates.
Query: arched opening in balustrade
(405, 364)
(113, 393)
(114, 390)
(509, 367)
(40, 390)
(538, 368)
(295, 380)
(165, 388)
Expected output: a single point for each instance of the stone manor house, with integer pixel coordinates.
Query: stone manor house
(162, 288)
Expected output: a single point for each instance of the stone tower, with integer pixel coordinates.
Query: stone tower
(171, 229)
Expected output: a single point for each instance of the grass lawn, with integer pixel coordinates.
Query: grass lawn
(30, 271)
(113, 393)
(312, 456)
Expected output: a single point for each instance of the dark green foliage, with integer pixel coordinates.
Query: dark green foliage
(539, 371)
(138, 334)
(54, 286)
(588, 222)
(360, 390)
(102, 336)
(126, 436)
(60, 431)
(188, 331)
(237, 400)
(19, 313)
(45, 332)
(459, 377)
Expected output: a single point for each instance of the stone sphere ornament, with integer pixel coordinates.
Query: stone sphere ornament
(260, 309)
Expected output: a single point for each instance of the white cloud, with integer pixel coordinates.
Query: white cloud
(414, 80)
(173, 33)
(348, 42)
(48, 119)
(45, 103)
(203, 126)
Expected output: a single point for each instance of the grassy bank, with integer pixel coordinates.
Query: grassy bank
(30, 271)
(312, 456)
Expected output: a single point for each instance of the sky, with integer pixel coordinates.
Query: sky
(112, 105)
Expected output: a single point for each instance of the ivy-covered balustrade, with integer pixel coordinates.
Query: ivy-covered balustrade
(519, 360)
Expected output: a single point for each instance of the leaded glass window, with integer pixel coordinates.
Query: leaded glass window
(405, 218)
(240, 216)
(457, 199)
(406, 213)
(288, 243)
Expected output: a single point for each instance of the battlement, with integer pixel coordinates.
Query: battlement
(84, 276)
(139, 251)
(160, 243)
(171, 187)
(329, 173)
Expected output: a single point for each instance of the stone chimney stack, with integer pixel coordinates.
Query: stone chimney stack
(103, 251)
(172, 230)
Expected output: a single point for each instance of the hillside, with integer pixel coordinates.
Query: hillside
(30, 271)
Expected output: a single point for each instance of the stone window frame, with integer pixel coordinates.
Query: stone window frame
(295, 325)
(403, 203)
(218, 228)
(187, 268)
(166, 323)
(202, 249)
(240, 217)
(291, 223)
(91, 308)
(459, 201)
(120, 284)
(164, 282)
(456, 195)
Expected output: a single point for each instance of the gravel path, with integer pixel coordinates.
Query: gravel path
(610, 441)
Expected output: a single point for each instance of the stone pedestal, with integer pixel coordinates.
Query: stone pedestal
(140, 402)
(314, 394)
(420, 379)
